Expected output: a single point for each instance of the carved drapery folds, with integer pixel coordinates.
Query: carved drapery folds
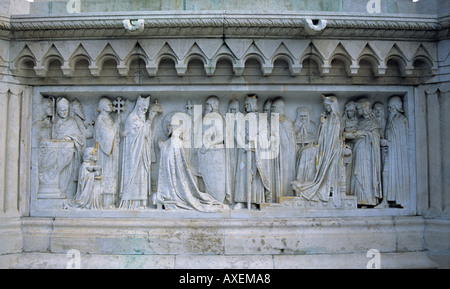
(143, 154)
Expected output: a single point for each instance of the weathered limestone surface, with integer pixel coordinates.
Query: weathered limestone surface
(302, 57)
(224, 243)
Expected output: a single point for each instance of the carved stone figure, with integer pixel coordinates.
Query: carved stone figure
(378, 111)
(137, 147)
(192, 138)
(350, 121)
(350, 117)
(89, 192)
(305, 128)
(211, 157)
(396, 176)
(326, 154)
(77, 113)
(305, 131)
(107, 138)
(67, 129)
(284, 162)
(176, 186)
(54, 156)
(251, 176)
(46, 119)
(231, 146)
(268, 163)
(366, 172)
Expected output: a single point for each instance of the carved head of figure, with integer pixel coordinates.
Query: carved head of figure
(267, 106)
(76, 109)
(47, 108)
(90, 154)
(233, 106)
(62, 108)
(350, 110)
(395, 104)
(104, 105)
(251, 103)
(179, 125)
(141, 107)
(302, 115)
(212, 104)
(277, 106)
(378, 109)
(363, 107)
(330, 103)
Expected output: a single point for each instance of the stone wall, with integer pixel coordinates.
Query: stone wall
(294, 54)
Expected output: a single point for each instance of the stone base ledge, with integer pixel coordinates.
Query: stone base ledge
(10, 235)
(263, 243)
(223, 236)
(407, 260)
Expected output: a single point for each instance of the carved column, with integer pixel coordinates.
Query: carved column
(14, 164)
(12, 153)
(3, 133)
(432, 124)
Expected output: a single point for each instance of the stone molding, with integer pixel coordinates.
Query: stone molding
(226, 24)
(225, 236)
(212, 36)
(290, 243)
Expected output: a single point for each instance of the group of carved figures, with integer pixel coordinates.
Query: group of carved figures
(359, 153)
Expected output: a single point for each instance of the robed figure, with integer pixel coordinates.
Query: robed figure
(270, 147)
(285, 160)
(107, 139)
(137, 148)
(177, 188)
(231, 146)
(89, 194)
(366, 166)
(305, 128)
(252, 180)
(396, 167)
(67, 129)
(325, 156)
(211, 157)
(350, 123)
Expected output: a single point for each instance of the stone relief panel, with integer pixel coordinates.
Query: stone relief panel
(209, 153)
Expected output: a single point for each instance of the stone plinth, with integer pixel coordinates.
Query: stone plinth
(223, 243)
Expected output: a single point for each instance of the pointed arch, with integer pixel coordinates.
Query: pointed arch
(136, 53)
(397, 56)
(312, 53)
(283, 53)
(341, 54)
(108, 53)
(24, 56)
(79, 54)
(369, 55)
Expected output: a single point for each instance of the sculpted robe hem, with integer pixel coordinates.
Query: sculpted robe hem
(176, 186)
